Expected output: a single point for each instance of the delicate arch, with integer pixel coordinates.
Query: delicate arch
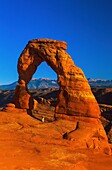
(75, 96)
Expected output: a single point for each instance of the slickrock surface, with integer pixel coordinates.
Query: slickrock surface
(75, 96)
(28, 144)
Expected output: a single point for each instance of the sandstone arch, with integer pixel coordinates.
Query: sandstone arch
(75, 97)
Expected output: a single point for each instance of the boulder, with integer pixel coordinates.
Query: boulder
(10, 105)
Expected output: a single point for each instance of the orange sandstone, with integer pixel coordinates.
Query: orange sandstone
(75, 96)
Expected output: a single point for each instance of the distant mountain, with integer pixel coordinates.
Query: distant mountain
(100, 83)
(9, 86)
(43, 83)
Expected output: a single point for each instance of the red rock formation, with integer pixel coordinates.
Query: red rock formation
(75, 97)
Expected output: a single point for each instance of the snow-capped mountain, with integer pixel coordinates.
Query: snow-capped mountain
(33, 84)
(101, 83)
(43, 83)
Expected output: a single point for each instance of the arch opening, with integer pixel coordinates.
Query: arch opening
(43, 86)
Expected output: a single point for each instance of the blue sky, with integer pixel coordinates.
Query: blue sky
(86, 26)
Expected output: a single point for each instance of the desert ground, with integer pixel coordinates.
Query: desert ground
(27, 143)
